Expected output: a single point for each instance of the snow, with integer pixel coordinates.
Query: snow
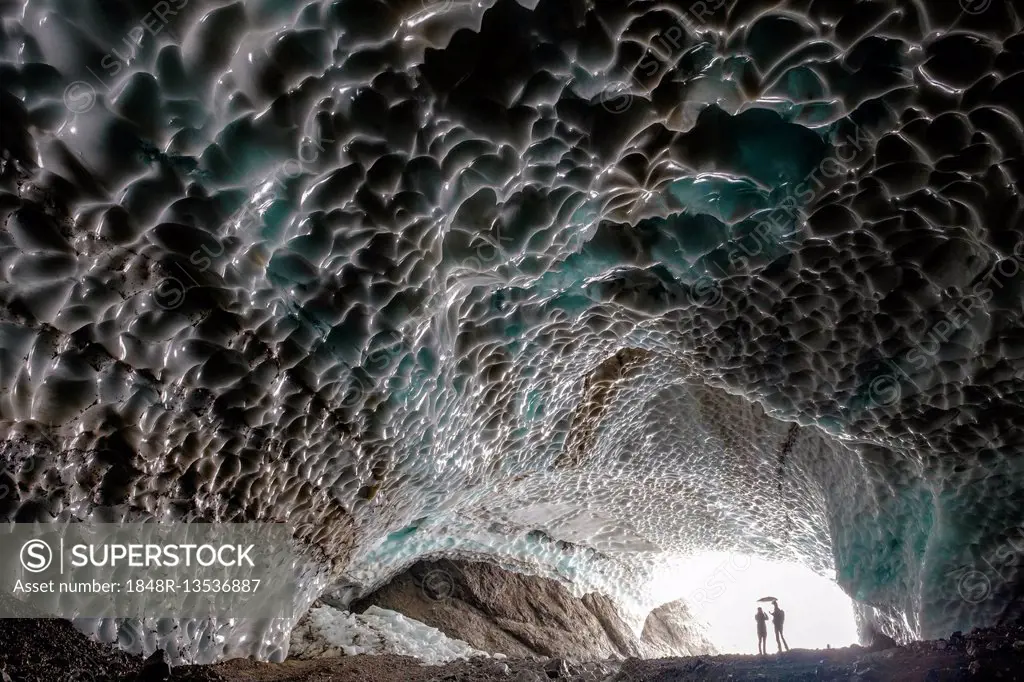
(327, 632)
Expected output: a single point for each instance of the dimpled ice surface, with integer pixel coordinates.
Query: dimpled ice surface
(582, 288)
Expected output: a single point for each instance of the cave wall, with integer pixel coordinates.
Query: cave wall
(353, 263)
(519, 615)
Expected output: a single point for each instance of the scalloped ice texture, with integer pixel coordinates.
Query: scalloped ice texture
(533, 280)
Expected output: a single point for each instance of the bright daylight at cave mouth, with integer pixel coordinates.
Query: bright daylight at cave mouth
(728, 586)
(511, 340)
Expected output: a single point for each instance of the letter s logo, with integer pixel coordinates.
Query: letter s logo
(36, 556)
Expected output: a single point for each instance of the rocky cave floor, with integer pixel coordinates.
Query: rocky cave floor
(52, 650)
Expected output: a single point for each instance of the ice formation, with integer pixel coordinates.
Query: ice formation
(328, 632)
(580, 286)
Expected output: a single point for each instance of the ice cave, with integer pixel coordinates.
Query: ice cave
(602, 292)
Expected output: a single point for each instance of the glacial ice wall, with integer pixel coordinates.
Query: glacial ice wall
(577, 286)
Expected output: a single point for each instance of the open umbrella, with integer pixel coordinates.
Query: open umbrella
(767, 599)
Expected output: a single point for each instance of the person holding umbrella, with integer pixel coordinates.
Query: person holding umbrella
(778, 618)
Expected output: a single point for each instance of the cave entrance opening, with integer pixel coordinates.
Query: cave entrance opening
(722, 590)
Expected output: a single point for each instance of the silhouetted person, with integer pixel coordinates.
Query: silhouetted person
(762, 630)
(778, 618)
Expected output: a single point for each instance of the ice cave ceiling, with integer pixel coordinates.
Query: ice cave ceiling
(572, 285)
